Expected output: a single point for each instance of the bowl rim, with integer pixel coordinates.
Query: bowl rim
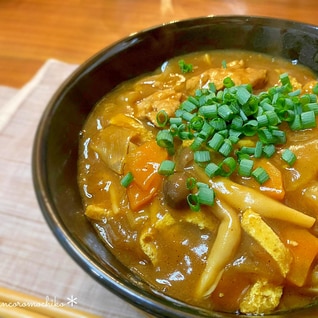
(127, 291)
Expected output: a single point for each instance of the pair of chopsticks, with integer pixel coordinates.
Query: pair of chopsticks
(14, 304)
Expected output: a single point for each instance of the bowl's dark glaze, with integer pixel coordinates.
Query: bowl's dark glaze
(56, 142)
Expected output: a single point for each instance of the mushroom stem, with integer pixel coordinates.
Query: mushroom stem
(224, 247)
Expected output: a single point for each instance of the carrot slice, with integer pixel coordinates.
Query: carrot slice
(304, 248)
(274, 186)
(143, 162)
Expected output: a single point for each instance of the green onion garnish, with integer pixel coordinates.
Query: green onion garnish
(165, 139)
(205, 196)
(184, 67)
(127, 179)
(191, 183)
(269, 150)
(193, 202)
(226, 148)
(289, 157)
(162, 118)
(245, 167)
(216, 141)
(166, 168)
(228, 82)
(227, 166)
(212, 123)
(202, 156)
(308, 119)
(260, 175)
(212, 170)
(243, 95)
(315, 89)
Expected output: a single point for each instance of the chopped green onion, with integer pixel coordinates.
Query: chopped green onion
(127, 179)
(185, 135)
(162, 118)
(315, 89)
(247, 150)
(245, 167)
(284, 78)
(207, 129)
(289, 157)
(228, 82)
(191, 183)
(196, 123)
(250, 128)
(208, 111)
(280, 136)
(313, 107)
(260, 175)
(266, 136)
(226, 148)
(193, 100)
(205, 196)
(201, 156)
(174, 129)
(258, 149)
(196, 144)
(187, 116)
(272, 117)
(227, 166)
(184, 67)
(294, 93)
(216, 141)
(165, 139)
(269, 150)
(237, 123)
(251, 107)
(224, 133)
(212, 87)
(202, 185)
(234, 138)
(304, 99)
(175, 121)
(262, 120)
(212, 170)
(287, 115)
(308, 119)
(243, 95)
(193, 202)
(166, 168)
(225, 112)
(188, 106)
(218, 123)
(296, 123)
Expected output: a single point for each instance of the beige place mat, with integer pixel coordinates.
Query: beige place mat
(31, 259)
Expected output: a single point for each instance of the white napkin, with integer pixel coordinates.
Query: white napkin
(31, 259)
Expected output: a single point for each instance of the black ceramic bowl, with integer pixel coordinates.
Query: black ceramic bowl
(56, 143)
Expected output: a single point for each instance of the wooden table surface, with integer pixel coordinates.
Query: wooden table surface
(32, 31)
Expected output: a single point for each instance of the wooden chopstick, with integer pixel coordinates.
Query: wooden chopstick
(14, 304)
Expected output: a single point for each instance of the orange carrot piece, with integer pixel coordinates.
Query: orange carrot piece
(304, 248)
(144, 163)
(273, 187)
(138, 197)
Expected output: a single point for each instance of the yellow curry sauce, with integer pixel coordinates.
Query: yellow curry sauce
(254, 249)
